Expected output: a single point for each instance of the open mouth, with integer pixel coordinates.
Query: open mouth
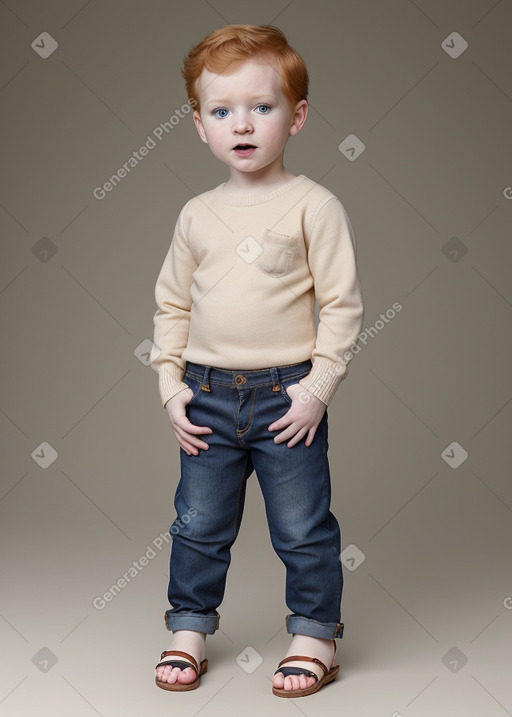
(244, 146)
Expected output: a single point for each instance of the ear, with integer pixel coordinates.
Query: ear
(299, 117)
(199, 126)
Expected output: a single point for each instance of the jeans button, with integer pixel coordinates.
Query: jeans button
(240, 380)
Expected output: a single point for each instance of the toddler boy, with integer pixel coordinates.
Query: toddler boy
(244, 375)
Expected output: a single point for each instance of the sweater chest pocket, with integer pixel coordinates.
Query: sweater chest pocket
(277, 253)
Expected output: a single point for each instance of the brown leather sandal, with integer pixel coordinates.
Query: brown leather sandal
(329, 675)
(177, 686)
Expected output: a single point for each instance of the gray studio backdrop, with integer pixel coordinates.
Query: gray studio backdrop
(409, 125)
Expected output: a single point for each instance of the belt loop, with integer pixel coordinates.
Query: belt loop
(338, 632)
(275, 379)
(206, 379)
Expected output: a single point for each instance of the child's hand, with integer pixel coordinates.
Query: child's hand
(184, 430)
(303, 417)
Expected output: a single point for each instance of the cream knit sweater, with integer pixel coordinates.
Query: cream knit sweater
(237, 287)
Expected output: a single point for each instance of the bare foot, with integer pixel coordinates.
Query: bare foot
(312, 647)
(188, 641)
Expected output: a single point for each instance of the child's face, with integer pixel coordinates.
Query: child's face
(247, 106)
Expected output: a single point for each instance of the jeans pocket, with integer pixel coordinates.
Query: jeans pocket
(286, 383)
(278, 253)
(284, 386)
(195, 385)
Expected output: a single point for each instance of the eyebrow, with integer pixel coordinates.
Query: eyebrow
(255, 97)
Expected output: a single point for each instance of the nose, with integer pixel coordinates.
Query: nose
(242, 123)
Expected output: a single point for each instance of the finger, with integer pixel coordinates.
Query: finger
(299, 435)
(193, 444)
(296, 439)
(184, 423)
(286, 434)
(189, 449)
(311, 435)
(280, 423)
(187, 440)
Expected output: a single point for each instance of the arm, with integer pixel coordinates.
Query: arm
(332, 261)
(172, 318)
(172, 323)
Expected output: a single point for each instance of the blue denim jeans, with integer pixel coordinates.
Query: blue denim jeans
(295, 482)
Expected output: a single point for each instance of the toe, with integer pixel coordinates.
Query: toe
(278, 680)
(186, 676)
(291, 682)
(160, 674)
(164, 674)
(171, 674)
(297, 682)
(306, 681)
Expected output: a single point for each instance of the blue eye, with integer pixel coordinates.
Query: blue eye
(215, 113)
(267, 109)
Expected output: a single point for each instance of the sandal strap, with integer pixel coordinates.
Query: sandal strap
(302, 658)
(176, 663)
(296, 671)
(194, 665)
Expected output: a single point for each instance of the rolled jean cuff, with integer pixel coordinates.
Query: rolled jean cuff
(297, 625)
(189, 620)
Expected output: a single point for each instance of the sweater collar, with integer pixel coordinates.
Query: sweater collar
(244, 201)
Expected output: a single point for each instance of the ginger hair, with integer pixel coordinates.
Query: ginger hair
(226, 48)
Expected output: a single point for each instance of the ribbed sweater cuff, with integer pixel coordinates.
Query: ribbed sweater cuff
(168, 383)
(324, 378)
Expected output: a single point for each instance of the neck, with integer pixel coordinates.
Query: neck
(264, 179)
